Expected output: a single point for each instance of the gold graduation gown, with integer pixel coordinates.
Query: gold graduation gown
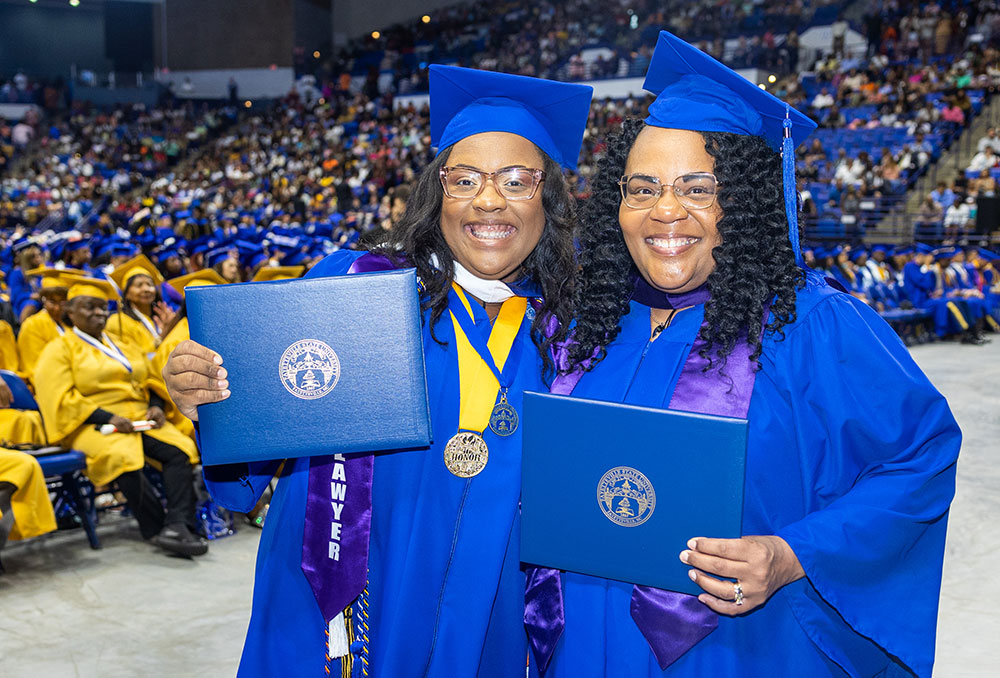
(33, 514)
(179, 333)
(37, 331)
(124, 329)
(73, 379)
(16, 426)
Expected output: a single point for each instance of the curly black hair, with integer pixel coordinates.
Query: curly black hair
(754, 262)
(551, 264)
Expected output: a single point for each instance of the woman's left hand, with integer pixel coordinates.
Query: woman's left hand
(155, 414)
(761, 565)
(163, 313)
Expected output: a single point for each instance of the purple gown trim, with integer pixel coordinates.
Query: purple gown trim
(671, 622)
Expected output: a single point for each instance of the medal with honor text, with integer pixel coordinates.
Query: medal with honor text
(483, 372)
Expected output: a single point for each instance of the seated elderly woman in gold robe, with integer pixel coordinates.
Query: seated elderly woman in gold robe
(86, 381)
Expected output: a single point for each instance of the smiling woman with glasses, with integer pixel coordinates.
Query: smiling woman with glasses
(437, 589)
(693, 296)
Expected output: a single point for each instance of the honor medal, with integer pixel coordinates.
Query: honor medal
(466, 454)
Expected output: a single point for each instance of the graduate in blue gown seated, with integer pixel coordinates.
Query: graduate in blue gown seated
(692, 296)
(439, 590)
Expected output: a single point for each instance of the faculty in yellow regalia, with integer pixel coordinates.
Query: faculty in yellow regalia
(177, 332)
(25, 509)
(42, 327)
(141, 315)
(86, 380)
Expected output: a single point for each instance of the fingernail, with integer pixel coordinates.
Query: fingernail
(226, 393)
(693, 544)
(222, 373)
(685, 555)
(217, 359)
(693, 575)
(223, 383)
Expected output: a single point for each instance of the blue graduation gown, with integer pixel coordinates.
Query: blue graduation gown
(851, 459)
(446, 593)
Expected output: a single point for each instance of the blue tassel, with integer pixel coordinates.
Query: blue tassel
(788, 182)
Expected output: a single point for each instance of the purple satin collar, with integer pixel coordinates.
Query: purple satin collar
(647, 295)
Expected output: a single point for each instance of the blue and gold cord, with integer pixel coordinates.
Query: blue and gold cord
(360, 645)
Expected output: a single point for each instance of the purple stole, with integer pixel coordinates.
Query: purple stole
(671, 622)
(339, 512)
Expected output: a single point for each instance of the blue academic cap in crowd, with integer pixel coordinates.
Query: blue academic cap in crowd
(858, 253)
(905, 251)
(695, 92)
(217, 256)
(987, 254)
(552, 115)
(944, 253)
(74, 245)
(924, 248)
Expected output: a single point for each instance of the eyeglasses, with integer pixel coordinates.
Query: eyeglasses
(513, 183)
(696, 191)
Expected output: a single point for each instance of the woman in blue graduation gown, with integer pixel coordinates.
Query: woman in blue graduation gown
(444, 593)
(691, 280)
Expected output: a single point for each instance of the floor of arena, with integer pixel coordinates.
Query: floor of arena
(136, 611)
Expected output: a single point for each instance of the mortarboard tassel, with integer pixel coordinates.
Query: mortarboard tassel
(788, 182)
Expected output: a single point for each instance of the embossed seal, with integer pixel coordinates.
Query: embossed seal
(309, 369)
(626, 496)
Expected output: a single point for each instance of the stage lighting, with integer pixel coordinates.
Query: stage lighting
(426, 18)
(247, 104)
(772, 78)
(74, 3)
(761, 85)
(316, 54)
(376, 35)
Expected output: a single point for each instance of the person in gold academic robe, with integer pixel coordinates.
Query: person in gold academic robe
(25, 508)
(177, 332)
(142, 314)
(85, 380)
(42, 327)
(16, 426)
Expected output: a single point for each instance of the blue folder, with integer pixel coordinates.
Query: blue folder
(316, 366)
(616, 491)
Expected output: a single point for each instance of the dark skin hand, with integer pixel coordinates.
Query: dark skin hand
(762, 564)
(6, 397)
(121, 424)
(155, 414)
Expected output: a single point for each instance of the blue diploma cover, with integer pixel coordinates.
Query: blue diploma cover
(616, 490)
(316, 366)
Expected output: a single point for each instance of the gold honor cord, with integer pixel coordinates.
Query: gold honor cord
(466, 454)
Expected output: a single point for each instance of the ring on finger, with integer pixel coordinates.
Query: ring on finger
(737, 593)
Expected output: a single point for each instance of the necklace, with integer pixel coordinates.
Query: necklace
(664, 325)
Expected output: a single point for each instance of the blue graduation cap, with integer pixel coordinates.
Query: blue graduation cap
(217, 256)
(924, 248)
(695, 92)
(905, 250)
(552, 115)
(944, 253)
(74, 245)
(987, 255)
(858, 253)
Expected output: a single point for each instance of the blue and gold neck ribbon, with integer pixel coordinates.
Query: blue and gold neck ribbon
(483, 366)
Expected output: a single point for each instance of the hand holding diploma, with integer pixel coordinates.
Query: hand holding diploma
(194, 376)
(761, 565)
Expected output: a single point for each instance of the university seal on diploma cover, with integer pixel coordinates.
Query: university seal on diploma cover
(309, 369)
(626, 496)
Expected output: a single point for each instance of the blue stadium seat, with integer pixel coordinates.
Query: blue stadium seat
(63, 469)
